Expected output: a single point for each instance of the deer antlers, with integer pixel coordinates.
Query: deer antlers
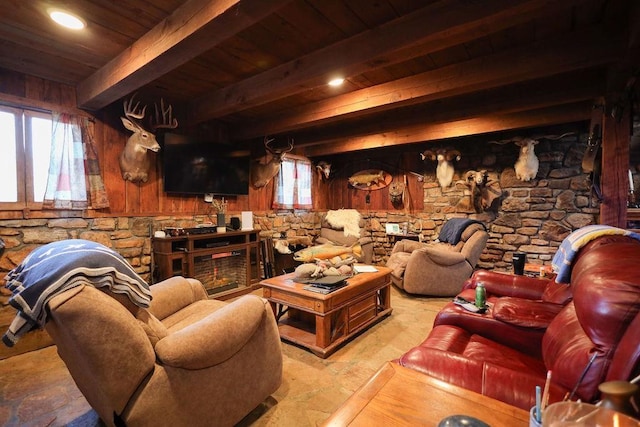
(163, 118)
(168, 121)
(275, 152)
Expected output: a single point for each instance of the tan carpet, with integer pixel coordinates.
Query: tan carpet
(37, 390)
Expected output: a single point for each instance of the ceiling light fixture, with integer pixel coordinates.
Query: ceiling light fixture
(67, 19)
(336, 82)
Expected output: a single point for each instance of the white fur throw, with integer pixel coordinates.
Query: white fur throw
(348, 219)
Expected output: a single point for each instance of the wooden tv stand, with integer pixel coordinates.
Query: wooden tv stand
(227, 264)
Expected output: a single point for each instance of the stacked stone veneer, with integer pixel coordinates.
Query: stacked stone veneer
(532, 217)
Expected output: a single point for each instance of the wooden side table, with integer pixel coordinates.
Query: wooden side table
(399, 396)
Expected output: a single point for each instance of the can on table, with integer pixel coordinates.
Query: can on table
(481, 296)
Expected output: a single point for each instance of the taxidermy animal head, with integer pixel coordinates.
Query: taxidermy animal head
(445, 169)
(134, 159)
(324, 169)
(477, 181)
(527, 164)
(265, 169)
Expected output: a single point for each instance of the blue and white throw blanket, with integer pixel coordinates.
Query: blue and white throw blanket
(56, 267)
(563, 259)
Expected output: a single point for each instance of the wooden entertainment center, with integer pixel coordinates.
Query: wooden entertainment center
(227, 264)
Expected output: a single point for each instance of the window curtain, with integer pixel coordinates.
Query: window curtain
(74, 180)
(293, 185)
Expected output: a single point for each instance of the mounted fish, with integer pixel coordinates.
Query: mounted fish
(326, 251)
(370, 179)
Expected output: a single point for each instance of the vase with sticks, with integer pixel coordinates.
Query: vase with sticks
(221, 208)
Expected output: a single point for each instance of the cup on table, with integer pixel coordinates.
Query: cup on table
(519, 258)
(533, 421)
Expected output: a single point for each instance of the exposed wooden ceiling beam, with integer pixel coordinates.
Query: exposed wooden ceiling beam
(578, 51)
(569, 88)
(435, 27)
(195, 27)
(488, 123)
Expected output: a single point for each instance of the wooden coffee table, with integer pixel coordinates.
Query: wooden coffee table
(322, 322)
(399, 396)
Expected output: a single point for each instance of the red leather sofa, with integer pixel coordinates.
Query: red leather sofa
(586, 333)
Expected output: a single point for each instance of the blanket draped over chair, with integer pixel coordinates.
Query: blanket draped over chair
(56, 267)
(562, 262)
(348, 219)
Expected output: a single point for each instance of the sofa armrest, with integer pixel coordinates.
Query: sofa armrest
(173, 294)
(406, 245)
(215, 338)
(365, 240)
(525, 312)
(526, 340)
(502, 284)
(439, 256)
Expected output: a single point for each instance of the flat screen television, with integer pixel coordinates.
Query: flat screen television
(191, 166)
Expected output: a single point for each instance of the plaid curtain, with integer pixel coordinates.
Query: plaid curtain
(293, 185)
(74, 180)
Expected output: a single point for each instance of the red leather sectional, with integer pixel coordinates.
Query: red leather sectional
(536, 325)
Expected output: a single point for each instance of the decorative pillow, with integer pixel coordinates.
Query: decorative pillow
(56, 267)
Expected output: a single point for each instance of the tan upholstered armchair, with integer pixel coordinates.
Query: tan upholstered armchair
(331, 231)
(186, 360)
(438, 268)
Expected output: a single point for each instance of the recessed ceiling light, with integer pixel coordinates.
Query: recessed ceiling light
(67, 19)
(336, 82)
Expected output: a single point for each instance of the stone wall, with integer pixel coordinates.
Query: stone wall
(532, 217)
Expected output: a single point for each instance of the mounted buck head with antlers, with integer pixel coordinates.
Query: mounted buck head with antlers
(444, 170)
(134, 159)
(263, 171)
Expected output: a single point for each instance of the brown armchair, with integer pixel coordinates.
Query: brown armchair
(438, 268)
(186, 360)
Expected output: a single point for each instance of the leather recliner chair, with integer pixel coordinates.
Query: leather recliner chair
(593, 338)
(186, 360)
(438, 268)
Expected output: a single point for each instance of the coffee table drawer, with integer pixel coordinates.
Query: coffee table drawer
(361, 312)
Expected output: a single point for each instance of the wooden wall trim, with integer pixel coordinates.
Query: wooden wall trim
(615, 166)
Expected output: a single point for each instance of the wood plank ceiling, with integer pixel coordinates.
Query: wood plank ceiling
(415, 70)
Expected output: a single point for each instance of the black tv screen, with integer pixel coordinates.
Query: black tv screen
(196, 167)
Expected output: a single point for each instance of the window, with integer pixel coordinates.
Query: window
(293, 184)
(25, 143)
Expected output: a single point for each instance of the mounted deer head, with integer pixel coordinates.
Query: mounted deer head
(134, 159)
(263, 171)
(324, 169)
(444, 170)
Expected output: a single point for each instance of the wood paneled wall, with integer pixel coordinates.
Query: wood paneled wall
(130, 199)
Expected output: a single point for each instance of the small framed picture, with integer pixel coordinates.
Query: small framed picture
(392, 228)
